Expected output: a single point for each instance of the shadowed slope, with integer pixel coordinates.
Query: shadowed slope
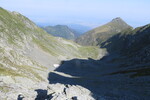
(124, 74)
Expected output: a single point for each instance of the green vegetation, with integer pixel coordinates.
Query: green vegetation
(9, 72)
(44, 47)
(4, 89)
(19, 34)
(100, 34)
(89, 51)
(30, 71)
(1, 50)
(61, 31)
(22, 71)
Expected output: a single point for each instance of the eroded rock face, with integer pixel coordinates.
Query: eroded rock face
(68, 92)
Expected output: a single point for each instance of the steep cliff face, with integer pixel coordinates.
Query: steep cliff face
(102, 33)
(27, 54)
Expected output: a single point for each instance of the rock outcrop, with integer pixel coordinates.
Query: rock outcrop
(68, 92)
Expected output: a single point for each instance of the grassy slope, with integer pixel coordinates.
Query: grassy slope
(60, 31)
(18, 32)
(102, 33)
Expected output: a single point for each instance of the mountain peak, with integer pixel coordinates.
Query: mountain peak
(119, 22)
(16, 13)
(104, 32)
(118, 19)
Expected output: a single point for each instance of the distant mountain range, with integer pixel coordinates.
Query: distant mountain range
(79, 28)
(100, 34)
(61, 31)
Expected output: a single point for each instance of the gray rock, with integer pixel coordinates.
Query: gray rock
(68, 92)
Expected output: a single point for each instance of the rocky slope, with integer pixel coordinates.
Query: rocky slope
(68, 92)
(27, 54)
(123, 74)
(61, 31)
(102, 33)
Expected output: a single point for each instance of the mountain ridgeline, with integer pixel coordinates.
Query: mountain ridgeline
(61, 31)
(100, 34)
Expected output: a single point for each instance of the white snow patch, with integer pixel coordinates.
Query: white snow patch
(56, 65)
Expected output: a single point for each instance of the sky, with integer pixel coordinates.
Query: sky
(90, 13)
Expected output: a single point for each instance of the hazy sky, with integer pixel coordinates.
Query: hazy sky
(85, 12)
